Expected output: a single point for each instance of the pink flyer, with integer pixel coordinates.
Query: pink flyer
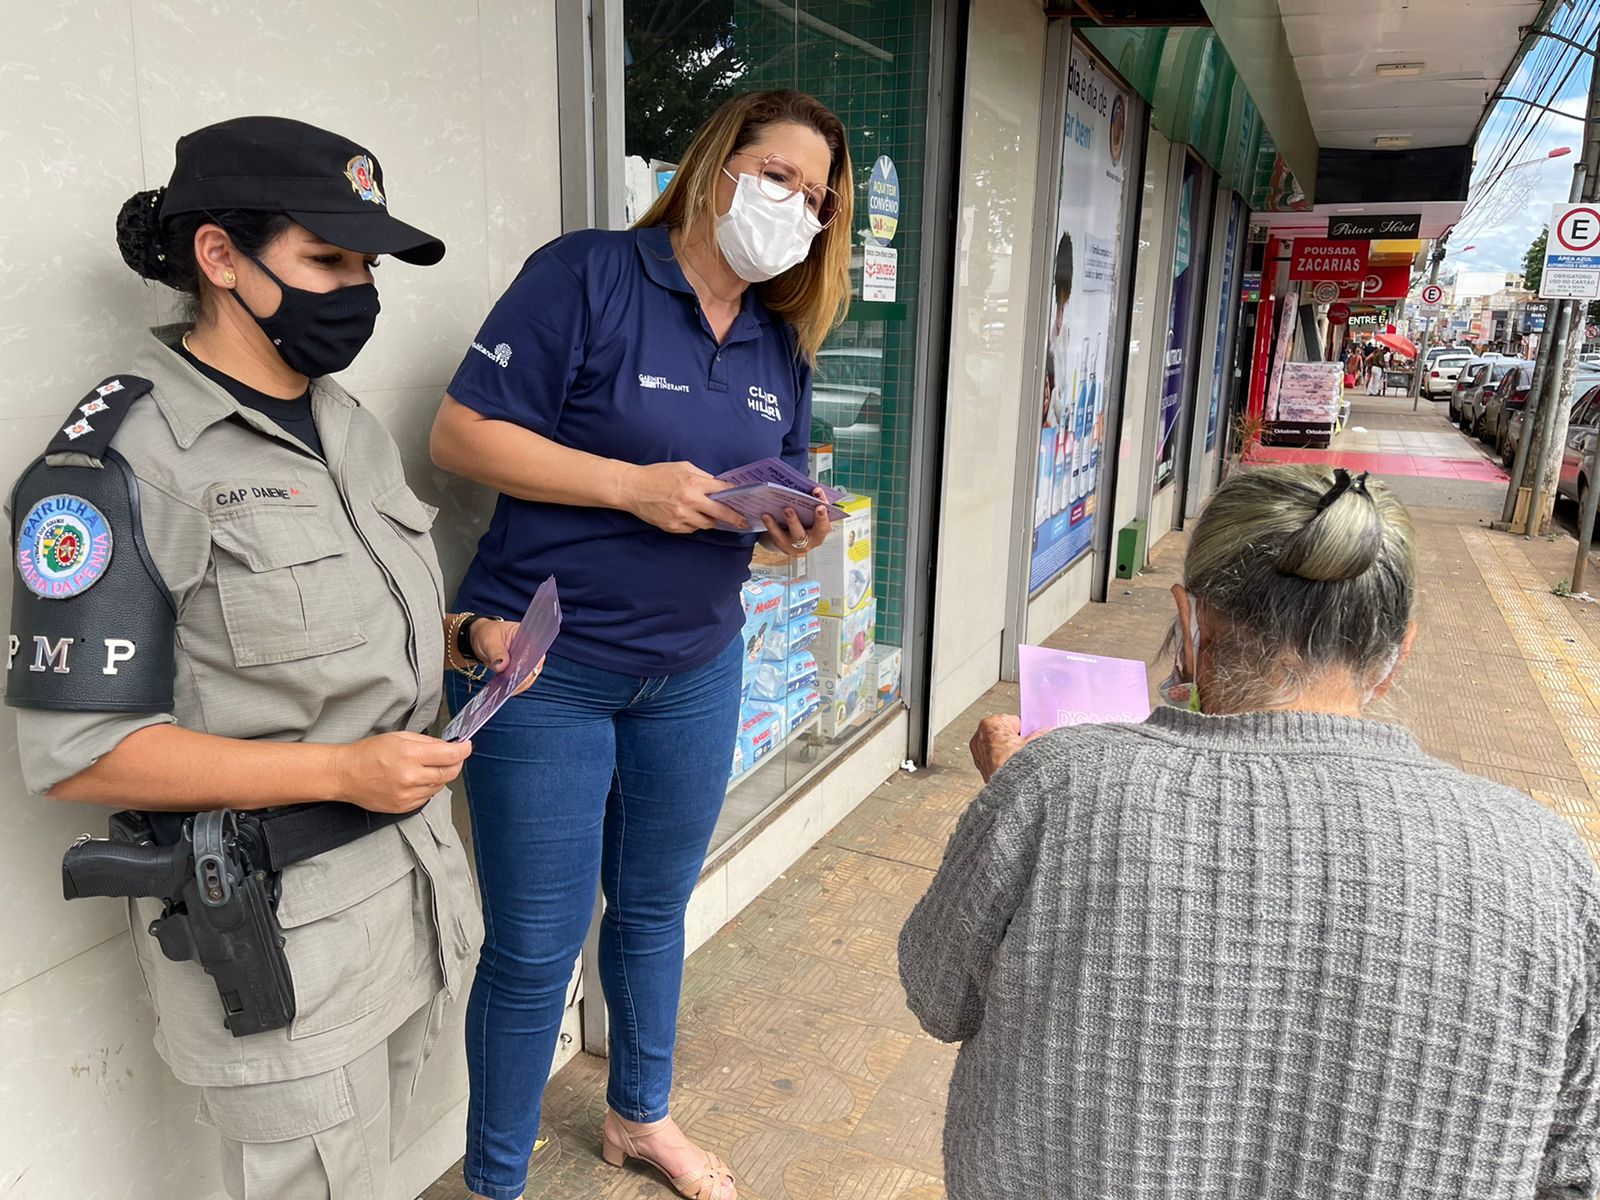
(1060, 688)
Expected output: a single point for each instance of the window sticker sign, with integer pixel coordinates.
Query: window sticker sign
(883, 202)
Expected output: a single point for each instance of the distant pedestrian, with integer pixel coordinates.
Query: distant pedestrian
(1260, 945)
(1375, 369)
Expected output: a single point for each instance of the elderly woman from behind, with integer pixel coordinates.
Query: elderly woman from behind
(1260, 946)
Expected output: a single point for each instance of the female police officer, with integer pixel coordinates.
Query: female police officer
(228, 598)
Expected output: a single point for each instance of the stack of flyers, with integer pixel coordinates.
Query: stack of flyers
(766, 488)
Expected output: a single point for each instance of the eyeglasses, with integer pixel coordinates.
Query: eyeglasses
(779, 179)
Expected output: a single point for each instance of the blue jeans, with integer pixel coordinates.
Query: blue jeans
(588, 778)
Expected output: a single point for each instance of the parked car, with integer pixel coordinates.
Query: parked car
(1472, 374)
(1470, 402)
(1582, 432)
(1439, 380)
(847, 405)
(1587, 385)
(1511, 387)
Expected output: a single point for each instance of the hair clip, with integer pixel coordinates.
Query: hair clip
(1343, 482)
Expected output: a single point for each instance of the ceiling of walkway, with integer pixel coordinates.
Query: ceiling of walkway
(1464, 47)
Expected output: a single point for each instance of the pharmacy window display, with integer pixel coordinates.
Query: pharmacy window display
(822, 634)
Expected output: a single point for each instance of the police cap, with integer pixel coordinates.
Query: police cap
(325, 182)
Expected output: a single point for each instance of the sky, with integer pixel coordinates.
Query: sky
(1524, 196)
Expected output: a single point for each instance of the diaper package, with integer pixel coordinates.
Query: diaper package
(760, 729)
(800, 708)
(801, 673)
(801, 634)
(764, 617)
(842, 565)
(847, 640)
(804, 595)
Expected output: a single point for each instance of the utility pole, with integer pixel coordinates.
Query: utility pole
(1427, 326)
(1569, 331)
(1541, 364)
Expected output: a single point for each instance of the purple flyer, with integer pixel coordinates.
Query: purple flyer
(775, 470)
(1060, 688)
(532, 641)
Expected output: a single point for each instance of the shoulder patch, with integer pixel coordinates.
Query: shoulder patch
(95, 419)
(63, 546)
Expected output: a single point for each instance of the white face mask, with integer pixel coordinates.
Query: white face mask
(761, 237)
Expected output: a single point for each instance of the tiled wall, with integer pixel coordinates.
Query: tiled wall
(988, 347)
(459, 102)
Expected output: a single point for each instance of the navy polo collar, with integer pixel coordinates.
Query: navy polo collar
(661, 264)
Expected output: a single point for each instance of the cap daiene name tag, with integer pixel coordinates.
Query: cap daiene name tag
(243, 493)
(63, 547)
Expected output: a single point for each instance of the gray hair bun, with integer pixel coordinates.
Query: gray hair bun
(1343, 538)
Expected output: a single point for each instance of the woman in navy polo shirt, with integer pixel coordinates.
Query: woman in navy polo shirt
(619, 374)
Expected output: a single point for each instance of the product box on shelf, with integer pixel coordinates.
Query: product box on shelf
(883, 665)
(848, 698)
(842, 565)
(819, 464)
(763, 601)
(845, 641)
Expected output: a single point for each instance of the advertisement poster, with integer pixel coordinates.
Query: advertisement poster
(1088, 257)
(1183, 288)
(1230, 260)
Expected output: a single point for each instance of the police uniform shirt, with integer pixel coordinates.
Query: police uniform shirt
(600, 344)
(309, 600)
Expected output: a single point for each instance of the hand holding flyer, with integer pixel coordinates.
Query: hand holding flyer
(1062, 688)
(767, 488)
(534, 637)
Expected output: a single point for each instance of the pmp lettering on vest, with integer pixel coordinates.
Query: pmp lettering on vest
(11, 651)
(118, 650)
(51, 657)
(764, 403)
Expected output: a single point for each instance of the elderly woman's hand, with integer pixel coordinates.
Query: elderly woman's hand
(997, 739)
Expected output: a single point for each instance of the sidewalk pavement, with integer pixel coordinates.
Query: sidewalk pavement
(798, 1061)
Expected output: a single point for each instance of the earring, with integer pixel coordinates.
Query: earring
(229, 278)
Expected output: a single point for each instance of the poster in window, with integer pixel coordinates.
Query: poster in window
(1088, 257)
(1174, 373)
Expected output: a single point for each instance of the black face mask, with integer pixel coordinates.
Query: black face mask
(318, 333)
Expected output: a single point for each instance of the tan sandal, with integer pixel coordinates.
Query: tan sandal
(696, 1185)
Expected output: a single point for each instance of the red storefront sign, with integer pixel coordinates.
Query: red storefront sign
(1338, 314)
(1382, 283)
(1316, 259)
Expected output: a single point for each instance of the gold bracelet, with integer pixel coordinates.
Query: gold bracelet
(452, 642)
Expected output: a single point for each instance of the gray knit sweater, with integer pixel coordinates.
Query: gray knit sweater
(1274, 955)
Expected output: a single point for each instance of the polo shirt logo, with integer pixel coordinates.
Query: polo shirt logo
(500, 355)
(661, 383)
(764, 403)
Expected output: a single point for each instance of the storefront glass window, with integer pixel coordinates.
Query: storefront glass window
(1089, 257)
(869, 63)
